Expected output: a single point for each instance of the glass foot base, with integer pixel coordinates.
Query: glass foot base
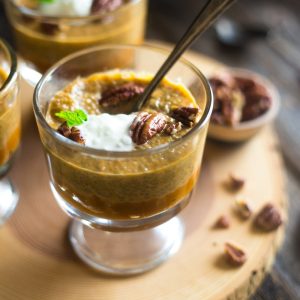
(8, 200)
(126, 253)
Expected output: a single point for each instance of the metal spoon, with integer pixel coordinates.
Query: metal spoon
(208, 14)
(235, 35)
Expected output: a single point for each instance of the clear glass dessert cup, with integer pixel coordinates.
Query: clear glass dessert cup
(123, 204)
(10, 124)
(43, 40)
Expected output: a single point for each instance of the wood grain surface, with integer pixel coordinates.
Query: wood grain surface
(38, 263)
(167, 20)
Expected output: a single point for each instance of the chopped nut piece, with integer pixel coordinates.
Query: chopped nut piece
(105, 5)
(172, 128)
(224, 79)
(222, 222)
(243, 209)
(49, 28)
(76, 136)
(229, 101)
(269, 218)
(235, 255)
(64, 130)
(245, 84)
(120, 94)
(235, 183)
(71, 133)
(146, 125)
(186, 115)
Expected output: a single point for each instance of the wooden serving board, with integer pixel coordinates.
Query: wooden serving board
(37, 262)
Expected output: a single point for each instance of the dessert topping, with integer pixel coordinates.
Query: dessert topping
(269, 218)
(73, 118)
(71, 8)
(186, 115)
(105, 5)
(146, 125)
(235, 255)
(72, 133)
(172, 128)
(48, 28)
(120, 94)
(222, 222)
(108, 132)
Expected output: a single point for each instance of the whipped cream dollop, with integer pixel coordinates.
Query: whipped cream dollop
(72, 8)
(108, 132)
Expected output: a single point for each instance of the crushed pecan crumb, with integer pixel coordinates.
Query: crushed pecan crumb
(72, 133)
(235, 255)
(146, 125)
(121, 94)
(222, 222)
(105, 5)
(49, 28)
(235, 182)
(269, 218)
(186, 115)
(172, 128)
(243, 209)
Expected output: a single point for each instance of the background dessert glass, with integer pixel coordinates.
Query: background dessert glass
(143, 190)
(41, 41)
(9, 127)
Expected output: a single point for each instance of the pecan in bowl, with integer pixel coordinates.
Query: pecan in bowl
(243, 103)
(269, 218)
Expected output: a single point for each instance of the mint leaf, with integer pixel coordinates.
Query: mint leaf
(73, 118)
(46, 1)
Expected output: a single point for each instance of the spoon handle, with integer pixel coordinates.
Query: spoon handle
(208, 14)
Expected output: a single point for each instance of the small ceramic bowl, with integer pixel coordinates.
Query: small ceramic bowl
(246, 129)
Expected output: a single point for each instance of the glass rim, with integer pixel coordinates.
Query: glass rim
(106, 153)
(13, 66)
(33, 13)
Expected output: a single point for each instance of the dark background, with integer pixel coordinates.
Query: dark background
(167, 21)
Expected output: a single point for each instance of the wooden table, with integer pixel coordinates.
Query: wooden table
(167, 20)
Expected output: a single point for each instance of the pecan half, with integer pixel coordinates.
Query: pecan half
(269, 218)
(235, 255)
(245, 84)
(256, 105)
(243, 209)
(186, 115)
(222, 222)
(224, 79)
(120, 94)
(146, 125)
(99, 6)
(72, 133)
